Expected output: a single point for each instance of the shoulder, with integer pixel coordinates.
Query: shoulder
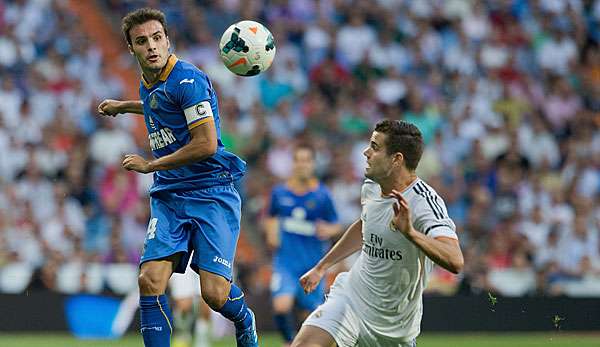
(278, 189)
(424, 201)
(422, 191)
(323, 189)
(370, 190)
(186, 73)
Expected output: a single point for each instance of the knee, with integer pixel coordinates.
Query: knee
(283, 304)
(216, 295)
(151, 283)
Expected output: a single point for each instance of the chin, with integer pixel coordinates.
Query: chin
(156, 66)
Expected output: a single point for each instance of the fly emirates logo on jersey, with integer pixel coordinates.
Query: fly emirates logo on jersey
(161, 138)
(375, 249)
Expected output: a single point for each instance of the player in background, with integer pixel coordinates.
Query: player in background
(190, 313)
(195, 208)
(403, 230)
(301, 222)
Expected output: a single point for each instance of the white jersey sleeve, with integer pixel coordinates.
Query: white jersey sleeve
(430, 215)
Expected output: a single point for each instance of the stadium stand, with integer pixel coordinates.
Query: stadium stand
(506, 93)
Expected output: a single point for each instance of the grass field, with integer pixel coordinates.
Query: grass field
(557, 339)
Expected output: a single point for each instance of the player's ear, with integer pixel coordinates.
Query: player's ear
(130, 49)
(398, 158)
(168, 43)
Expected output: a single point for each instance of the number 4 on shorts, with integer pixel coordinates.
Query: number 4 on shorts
(151, 233)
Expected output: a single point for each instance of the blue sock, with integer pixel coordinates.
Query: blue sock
(284, 324)
(236, 310)
(157, 322)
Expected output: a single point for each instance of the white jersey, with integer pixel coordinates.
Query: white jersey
(386, 283)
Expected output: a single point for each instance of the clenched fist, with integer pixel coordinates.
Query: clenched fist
(310, 280)
(110, 107)
(134, 162)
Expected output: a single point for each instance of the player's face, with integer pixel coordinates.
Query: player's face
(379, 163)
(304, 164)
(150, 45)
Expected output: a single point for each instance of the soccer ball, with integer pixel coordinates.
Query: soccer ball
(247, 48)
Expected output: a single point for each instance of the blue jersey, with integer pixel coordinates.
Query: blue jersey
(300, 248)
(181, 99)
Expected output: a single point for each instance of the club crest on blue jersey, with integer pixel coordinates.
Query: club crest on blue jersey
(153, 102)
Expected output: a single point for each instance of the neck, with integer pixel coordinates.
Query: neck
(302, 182)
(151, 75)
(398, 183)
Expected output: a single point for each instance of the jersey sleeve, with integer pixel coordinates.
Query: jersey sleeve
(431, 218)
(193, 92)
(273, 204)
(329, 212)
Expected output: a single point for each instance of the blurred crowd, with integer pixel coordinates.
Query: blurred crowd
(506, 94)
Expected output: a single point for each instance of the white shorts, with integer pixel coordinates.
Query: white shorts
(185, 285)
(337, 317)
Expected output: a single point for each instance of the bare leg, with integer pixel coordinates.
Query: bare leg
(311, 336)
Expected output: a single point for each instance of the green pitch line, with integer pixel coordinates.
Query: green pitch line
(556, 339)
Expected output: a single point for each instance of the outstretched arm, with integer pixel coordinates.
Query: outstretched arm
(444, 251)
(349, 243)
(202, 145)
(112, 108)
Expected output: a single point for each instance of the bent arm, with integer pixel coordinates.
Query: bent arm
(132, 106)
(444, 251)
(349, 243)
(110, 107)
(202, 145)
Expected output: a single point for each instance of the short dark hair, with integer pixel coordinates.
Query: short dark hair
(141, 16)
(402, 137)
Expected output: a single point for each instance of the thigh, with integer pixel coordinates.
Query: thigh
(312, 336)
(215, 213)
(167, 233)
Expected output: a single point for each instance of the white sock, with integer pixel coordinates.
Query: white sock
(202, 333)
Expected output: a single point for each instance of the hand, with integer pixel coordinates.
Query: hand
(310, 280)
(110, 107)
(134, 162)
(326, 230)
(401, 220)
(272, 243)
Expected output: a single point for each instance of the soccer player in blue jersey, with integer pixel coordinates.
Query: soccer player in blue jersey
(301, 222)
(195, 209)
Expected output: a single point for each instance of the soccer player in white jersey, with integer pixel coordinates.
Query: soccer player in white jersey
(403, 230)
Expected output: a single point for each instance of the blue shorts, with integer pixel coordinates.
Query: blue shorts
(285, 282)
(203, 224)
